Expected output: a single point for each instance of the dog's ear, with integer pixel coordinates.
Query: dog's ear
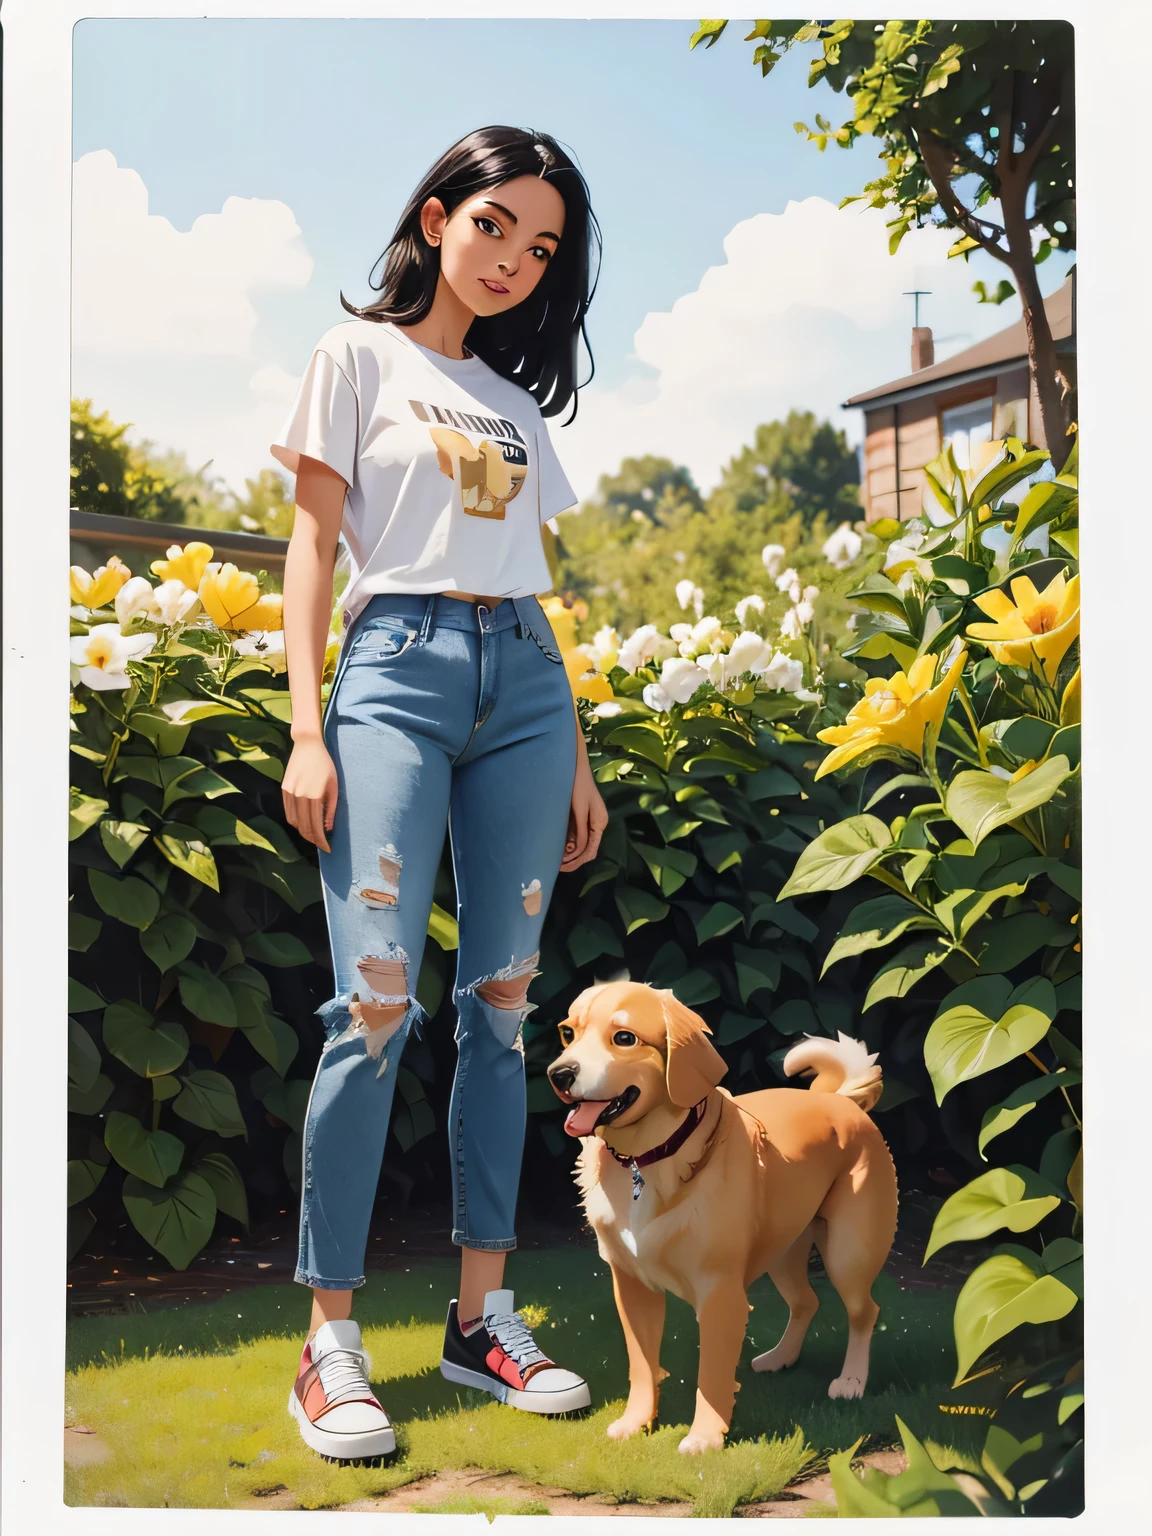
(693, 1065)
(581, 1003)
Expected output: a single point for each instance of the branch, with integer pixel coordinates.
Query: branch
(936, 163)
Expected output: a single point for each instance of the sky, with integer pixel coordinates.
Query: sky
(231, 178)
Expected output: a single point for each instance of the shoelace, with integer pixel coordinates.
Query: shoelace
(342, 1374)
(513, 1335)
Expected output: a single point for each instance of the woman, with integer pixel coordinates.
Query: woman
(418, 430)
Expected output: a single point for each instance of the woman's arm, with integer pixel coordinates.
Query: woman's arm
(309, 786)
(588, 816)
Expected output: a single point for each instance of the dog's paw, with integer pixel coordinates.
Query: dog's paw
(626, 1426)
(778, 1359)
(696, 1442)
(846, 1386)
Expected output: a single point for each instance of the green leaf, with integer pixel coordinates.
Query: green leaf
(1003, 1293)
(736, 1026)
(875, 923)
(1002, 1117)
(279, 949)
(203, 783)
(83, 1058)
(669, 867)
(723, 849)
(638, 907)
(84, 1175)
(1003, 476)
(1013, 939)
(163, 1089)
(781, 914)
(222, 827)
(900, 781)
(696, 987)
(148, 1048)
(979, 802)
(288, 1101)
(769, 783)
(796, 1016)
(707, 32)
(1028, 737)
(130, 900)
(755, 969)
(151, 1155)
(267, 1033)
(920, 1490)
(720, 918)
(121, 839)
(219, 1171)
(443, 928)
(205, 996)
(208, 1100)
(82, 931)
(183, 847)
(984, 1025)
(168, 941)
(1013, 1197)
(83, 812)
(839, 856)
(82, 999)
(591, 939)
(92, 1100)
(176, 1220)
(166, 735)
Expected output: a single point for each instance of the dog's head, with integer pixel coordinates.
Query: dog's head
(630, 1049)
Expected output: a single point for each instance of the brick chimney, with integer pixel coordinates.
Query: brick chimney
(923, 350)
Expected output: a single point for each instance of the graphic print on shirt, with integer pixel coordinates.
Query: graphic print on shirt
(485, 455)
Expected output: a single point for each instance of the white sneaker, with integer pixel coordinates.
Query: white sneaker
(335, 1409)
(502, 1357)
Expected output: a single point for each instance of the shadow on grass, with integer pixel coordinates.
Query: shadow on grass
(226, 1368)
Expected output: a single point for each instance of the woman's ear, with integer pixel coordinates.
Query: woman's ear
(693, 1066)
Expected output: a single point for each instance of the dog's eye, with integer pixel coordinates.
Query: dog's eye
(567, 1035)
(624, 1037)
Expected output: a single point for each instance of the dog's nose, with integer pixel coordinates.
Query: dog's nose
(562, 1074)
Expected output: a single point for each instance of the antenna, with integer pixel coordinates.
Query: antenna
(916, 294)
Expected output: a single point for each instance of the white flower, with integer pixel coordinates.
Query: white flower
(602, 650)
(655, 698)
(806, 696)
(786, 579)
(796, 592)
(679, 632)
(843, 546)
(805, 613)
(746, 605)
(684, 591)
(772, 555)
(790, 625)
(642, 646)
(679, 556)
(783, 672)
(680, 678)
(607, 710)
(174, 601)
(136, 596)
(103, 655)
(266, 645)
(811, 594)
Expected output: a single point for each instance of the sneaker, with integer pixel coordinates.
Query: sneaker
(500, 1356)
(334, 1407)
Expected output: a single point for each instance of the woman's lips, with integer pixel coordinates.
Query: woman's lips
(493, 287)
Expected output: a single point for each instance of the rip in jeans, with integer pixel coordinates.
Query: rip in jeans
(377, 1017)
(384, 892)
(507, 991)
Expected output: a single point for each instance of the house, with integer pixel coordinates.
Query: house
(980, 394)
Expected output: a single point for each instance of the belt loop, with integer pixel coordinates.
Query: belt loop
(523, 630)
(426, 624)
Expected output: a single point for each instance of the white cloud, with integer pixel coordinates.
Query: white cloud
(163, 320)
(807, 309)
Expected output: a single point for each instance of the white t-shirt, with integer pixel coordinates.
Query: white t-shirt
(450, 468)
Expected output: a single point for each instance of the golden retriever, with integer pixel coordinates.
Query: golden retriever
(693, 1191)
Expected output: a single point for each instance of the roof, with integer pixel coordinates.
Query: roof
(987, 357)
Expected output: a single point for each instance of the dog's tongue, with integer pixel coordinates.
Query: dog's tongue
(582, 1117)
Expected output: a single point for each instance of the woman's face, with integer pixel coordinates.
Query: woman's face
(496, 246)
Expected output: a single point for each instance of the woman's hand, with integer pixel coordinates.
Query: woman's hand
(587, 818)
(309, 789)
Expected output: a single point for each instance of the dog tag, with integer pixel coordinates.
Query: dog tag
(637, 1182)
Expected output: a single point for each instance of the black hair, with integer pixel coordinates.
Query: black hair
(533, 344)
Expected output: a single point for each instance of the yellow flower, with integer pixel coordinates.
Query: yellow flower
(894, 712)
(232, 600)
(563, 621)
(99, 588)
(1032, 627)
(1070, 703)
(187, 565)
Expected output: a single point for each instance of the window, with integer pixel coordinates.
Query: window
(966, 427)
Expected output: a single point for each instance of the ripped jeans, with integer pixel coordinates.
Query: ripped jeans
(443, 713)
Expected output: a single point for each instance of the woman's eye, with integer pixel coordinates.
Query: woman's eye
(624, 1037)
(566, 1036)
(493, 228)
(542, 251)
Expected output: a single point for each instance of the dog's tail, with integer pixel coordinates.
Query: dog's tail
(841, 1066)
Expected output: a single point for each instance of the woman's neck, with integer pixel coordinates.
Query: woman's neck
(446, 324)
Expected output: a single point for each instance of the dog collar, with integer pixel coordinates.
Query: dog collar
(666, 1148)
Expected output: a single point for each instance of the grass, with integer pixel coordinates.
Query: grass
(192, 1401)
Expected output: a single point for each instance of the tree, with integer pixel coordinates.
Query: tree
(976, 130)
(113, 476)
(807, 459)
